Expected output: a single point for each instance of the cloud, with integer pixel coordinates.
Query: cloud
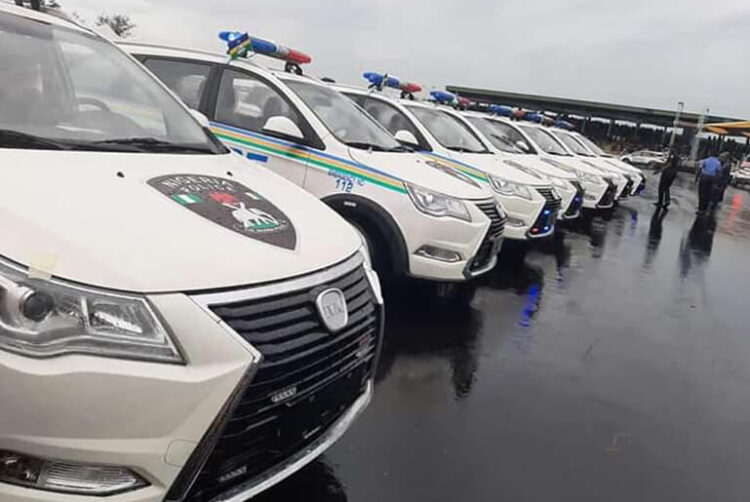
(638, 52)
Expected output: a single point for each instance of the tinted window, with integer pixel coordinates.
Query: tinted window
(187, 80)
(545, 141)
(497, 135)
(448, 130)
(392, 119)
(573, 144)
(79, 90)
(346, 120)
(247, 102)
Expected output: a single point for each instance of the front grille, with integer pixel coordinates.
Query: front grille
(484, 255)
(575, 205)
(609, 195)
(307, 379)
(545, 222)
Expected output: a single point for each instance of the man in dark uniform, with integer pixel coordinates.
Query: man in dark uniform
(668, 175)
(723, 179)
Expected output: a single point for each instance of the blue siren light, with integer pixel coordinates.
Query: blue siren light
(443, 97)
(504, 111)
(240, 44)
(379, 80)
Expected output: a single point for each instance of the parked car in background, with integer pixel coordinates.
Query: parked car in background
(645, 158)
(176, 323)
(419, 219)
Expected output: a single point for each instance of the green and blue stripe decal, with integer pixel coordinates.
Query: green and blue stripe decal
(460, 166)
(273, 146)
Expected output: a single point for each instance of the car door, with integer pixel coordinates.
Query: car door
(239, 112)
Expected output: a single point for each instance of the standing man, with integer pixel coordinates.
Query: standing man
(668, 175)
(710, 167)
(724, 178)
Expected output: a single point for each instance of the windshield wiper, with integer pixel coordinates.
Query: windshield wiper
(152, 145)
(16, 139)
(462, 149)
(364, 145)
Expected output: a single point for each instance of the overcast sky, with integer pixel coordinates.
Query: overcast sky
(637, 52)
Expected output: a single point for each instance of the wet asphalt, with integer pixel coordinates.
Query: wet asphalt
(611, 362)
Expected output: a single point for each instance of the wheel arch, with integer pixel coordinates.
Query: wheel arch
(364, 210)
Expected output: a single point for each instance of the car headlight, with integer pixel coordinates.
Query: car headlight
(509, 188)
(592, 178)
(47, 318)
(437, 204)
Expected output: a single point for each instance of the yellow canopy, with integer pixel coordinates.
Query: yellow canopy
(729, 128)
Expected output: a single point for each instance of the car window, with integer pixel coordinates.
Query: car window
(573, 144)
(546, 141)
(498, 136)
(447, 130)
(186, 79)
(78, 91)
(392, 119)
(247, 102)
(346, 120)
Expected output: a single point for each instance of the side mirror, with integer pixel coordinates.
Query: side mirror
(522, 146)
(404, 136)
(202, 119)
(283, 127)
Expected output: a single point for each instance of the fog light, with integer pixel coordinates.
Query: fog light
(66, 477)
(514, 222)
(438, 254)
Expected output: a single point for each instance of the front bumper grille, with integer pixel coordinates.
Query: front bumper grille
(491, 243)
(608, 198)
(545, 222)
(307, 379)
(575, 205)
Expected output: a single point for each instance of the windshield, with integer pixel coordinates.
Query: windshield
(575, 146)
(495, 134)
(65, 89)
(448, 131)
(591, 145)
(545, 141)
(344, 118)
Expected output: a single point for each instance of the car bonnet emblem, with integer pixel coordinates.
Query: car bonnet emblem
(331, 305)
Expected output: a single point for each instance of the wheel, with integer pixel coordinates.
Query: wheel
(375, 244)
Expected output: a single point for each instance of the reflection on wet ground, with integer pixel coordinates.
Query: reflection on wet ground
(611, 362)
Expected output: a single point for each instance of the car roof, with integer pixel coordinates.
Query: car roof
(53, 19)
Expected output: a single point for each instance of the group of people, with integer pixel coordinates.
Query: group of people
(713, 178)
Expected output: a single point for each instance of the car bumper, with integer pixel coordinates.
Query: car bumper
(465, 240)
(570, 207)
(152, 418)
(593, 195)
(524, 216)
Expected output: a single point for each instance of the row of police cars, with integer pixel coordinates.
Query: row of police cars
(189, 303)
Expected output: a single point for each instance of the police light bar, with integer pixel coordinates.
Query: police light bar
(501, 110)
(442, 97)
(534, 117)
(563, 124)
(240, 44)
(464, 102)
(379, 80)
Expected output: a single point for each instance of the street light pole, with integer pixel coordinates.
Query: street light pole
(696, 138)
(680, 107)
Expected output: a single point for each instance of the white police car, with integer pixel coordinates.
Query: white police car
(441, 137)
(566, 183)
(420, 218)
(176, 323)
(639, 179)
(633, 178)
(534, 140)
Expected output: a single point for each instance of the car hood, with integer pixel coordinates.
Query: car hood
(431, 173)
(538, 165)
(114, 220)
(614, 161)
(575, 163)
(602, 164)
(507, 168)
